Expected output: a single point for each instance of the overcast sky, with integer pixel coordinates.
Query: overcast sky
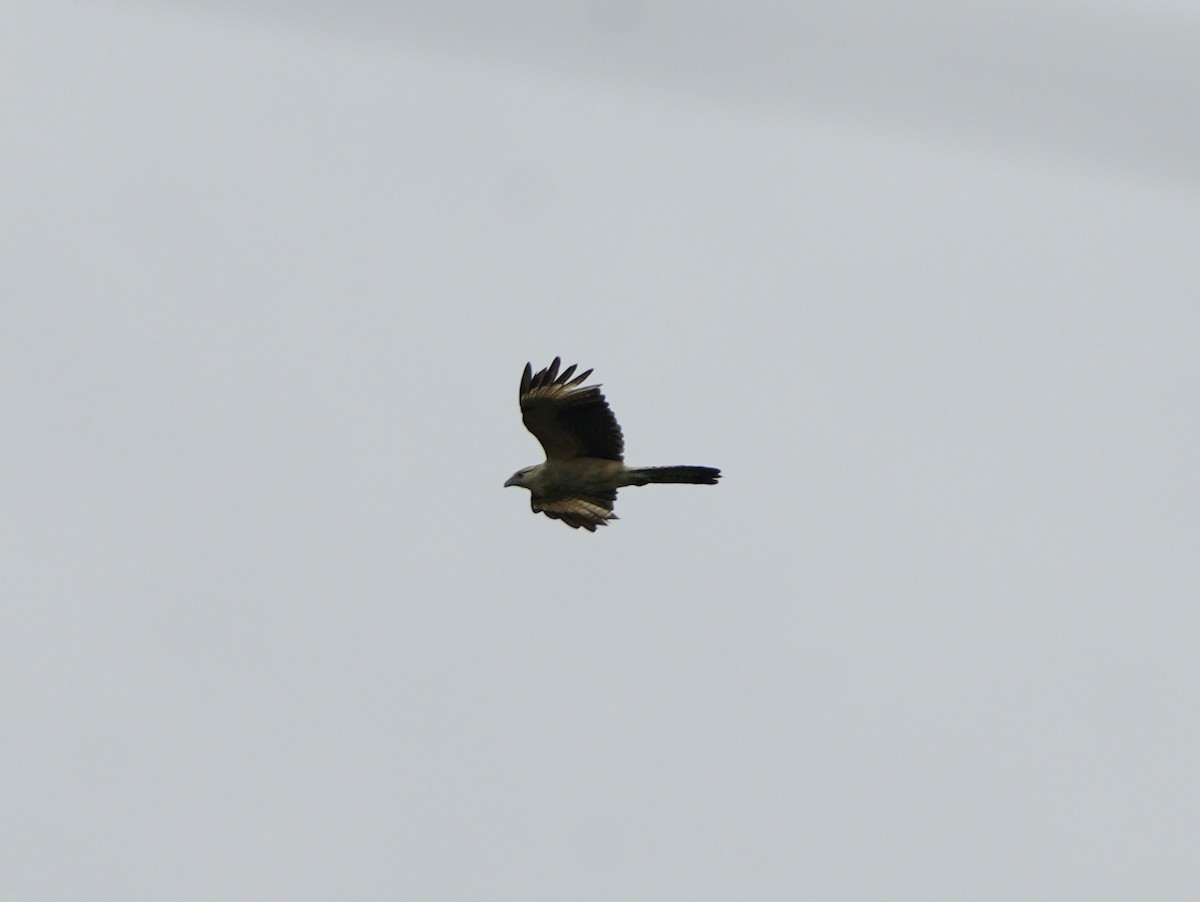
(924, 286)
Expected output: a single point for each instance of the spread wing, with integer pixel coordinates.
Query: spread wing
(588, 511)
(569, 419)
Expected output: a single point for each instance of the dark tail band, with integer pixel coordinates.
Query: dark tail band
(690, 475)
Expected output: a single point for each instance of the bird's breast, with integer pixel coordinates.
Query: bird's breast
(581, 474)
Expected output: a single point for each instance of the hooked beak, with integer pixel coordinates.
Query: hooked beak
(512, 480)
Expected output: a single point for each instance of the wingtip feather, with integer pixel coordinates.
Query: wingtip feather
(551, 375)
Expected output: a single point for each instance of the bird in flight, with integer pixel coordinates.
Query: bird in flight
(584, 449)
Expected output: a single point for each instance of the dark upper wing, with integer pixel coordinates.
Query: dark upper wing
(588, 511)
(569, 420)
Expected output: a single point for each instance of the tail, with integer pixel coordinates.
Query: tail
(690, 475)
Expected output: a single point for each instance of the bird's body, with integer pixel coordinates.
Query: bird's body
(579, 474)
(584, 448)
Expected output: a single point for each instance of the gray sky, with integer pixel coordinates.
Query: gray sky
(923, 286)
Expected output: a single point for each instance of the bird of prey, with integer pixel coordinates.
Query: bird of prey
(584, 448)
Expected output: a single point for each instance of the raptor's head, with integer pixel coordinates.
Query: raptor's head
(519, 478)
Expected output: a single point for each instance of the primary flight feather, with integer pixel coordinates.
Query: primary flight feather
(584, 448)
